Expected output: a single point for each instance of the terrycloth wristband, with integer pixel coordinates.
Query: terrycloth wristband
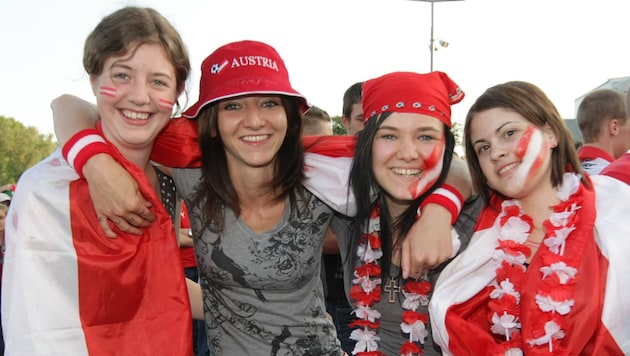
(448, 197)
(83, 146)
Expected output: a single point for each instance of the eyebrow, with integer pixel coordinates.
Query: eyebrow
(420, 129)
(495, 131)
(124, 65)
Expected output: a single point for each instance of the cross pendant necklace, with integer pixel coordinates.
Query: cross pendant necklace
(393, 289)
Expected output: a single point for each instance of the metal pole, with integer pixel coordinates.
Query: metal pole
(431, 47)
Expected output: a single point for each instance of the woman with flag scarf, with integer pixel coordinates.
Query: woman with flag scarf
(67, 288)
(545, 269)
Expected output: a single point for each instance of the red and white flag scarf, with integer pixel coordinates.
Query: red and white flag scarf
(598, 323)
(70, 290)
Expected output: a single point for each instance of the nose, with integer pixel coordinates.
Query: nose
(253, 118)
(497, 151)
(408, 150)
(139, 94)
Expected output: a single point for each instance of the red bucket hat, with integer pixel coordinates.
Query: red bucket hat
(430, 94)
(243, 68)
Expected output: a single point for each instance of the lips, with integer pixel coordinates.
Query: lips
(507, 167)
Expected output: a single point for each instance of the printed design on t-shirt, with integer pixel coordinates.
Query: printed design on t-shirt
(283, 260)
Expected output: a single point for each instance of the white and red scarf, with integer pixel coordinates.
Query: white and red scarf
(70, 290)
(568, 300)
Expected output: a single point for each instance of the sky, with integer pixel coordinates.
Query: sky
(566, 47)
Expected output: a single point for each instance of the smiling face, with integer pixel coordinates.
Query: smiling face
(514, 155)
(252, 129)
(135, 94)
(407, 157)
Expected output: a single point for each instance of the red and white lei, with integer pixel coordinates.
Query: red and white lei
(555, 291)
(366, 291)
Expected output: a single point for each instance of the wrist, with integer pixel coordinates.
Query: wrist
(83, 146)
(448, 197)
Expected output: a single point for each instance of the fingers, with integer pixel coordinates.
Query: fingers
(107, 229)
(117, 223)
(124, 226)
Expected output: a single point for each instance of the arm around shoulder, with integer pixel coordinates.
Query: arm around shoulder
(71, 115)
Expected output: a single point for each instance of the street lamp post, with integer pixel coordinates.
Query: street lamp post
(432, 41)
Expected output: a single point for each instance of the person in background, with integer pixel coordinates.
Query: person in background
(317, 122)
(67, 288)
(5, 199)
(403, 155)
(620, 168)
(603, 122)
(545, 270)
(352, 110)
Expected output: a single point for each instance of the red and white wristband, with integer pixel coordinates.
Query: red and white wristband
(448, 197)
(82, 146)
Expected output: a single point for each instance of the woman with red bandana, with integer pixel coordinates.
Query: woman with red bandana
(545, 269)
(403, 155)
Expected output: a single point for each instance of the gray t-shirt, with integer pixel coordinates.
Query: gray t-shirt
(262, 292)
(392, 337)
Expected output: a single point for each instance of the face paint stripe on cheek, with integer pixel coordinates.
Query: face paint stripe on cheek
(436, 156)
(165, 104)
(524, 142)
(431, 169)
(108, 91)
(533, 155)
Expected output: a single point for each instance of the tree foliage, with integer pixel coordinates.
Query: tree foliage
(338, 128)
(20, 148)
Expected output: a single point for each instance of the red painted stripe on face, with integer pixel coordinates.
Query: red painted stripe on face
(166, 104)
(532, 149)
(108, 91)
(524, 142)
(435, 157)
(431, 169)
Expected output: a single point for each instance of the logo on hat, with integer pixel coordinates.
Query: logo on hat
(216, 68)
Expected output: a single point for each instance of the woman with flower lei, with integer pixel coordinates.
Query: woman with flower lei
(545, 269)
(403, 155)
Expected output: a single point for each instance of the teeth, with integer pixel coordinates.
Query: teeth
(135, 115)
(508, 167)
(406, 171)
(256, 138)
